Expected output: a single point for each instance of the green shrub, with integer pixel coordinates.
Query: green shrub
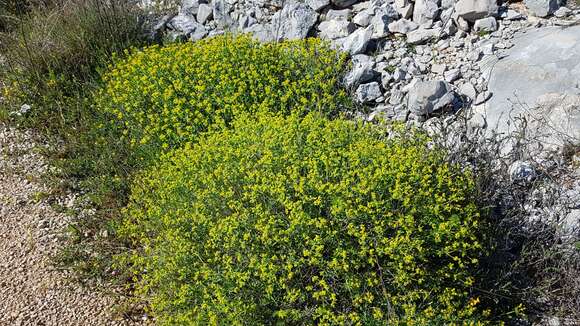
(305, 221)
(162, 97)
(54, 52)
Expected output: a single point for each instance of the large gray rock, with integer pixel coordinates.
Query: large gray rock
(422, 36)
(189, 7)
(425, 11)
(221, 14)
(361, 72)
(542, 8)
(294, 21)
(355, 43)
(402, 26)
(262, 33)
(204, 13)
(488, 24)
(380, 22)
(472, 10)
(366, 93)
(542, 61)
(428, 97)
(184, 26)
(318, 5)
(333, 29)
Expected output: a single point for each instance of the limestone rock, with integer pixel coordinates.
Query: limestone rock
(318, 5)
(472, 10)
(402, 26)
(333, 29)
(361, 72)
(542, 61)
(356, 42)
(366, 93)
(294, 21)
(430, 96)
(425, 11)
(421, 36)
(204, 13)
(488, 24)
(542, 8)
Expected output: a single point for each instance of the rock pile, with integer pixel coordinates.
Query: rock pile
(411, 59)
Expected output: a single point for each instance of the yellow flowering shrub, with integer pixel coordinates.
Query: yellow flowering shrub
(161, 97)
(290, 220)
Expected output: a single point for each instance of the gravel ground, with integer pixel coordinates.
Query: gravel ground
(32, 292)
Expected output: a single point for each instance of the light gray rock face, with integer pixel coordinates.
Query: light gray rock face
(542, 61)
(425, 11)
(183, 23)
(560, 119)
(184, 26)
(542, 8)
(356, 42)
(366, 93)
(402, 26)
(262, 33)
(363, 18)
(421, 36)
(204, 13)
(488, 24)
(428, 97)
(361, 72)
(343, 14)
(189, 7)
(380, 22)
(472, 10)
(333, 29)
(318, 5)
(294, 21)
(221, 14)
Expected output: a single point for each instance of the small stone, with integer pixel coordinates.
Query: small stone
(356, 42)
(438, 69)
(422, 36)
(343, 14)
(398, 74)
(427, 97)
(333, 29)
(452, 75)
(406, 11)
(425, 11)
(363, 18)
(294, 21)
(402, 26)
(562, 12)
(361, 72)
(513, 15)
(482, 98)
(318, 5)
(542, 8)
(386, 79)
(472, 10)
(468, 90)
(204, 13)
(380, 22)
(488, 24)
(366, 93)
(521, 171)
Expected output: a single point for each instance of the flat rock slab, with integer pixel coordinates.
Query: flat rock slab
(542, 61)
